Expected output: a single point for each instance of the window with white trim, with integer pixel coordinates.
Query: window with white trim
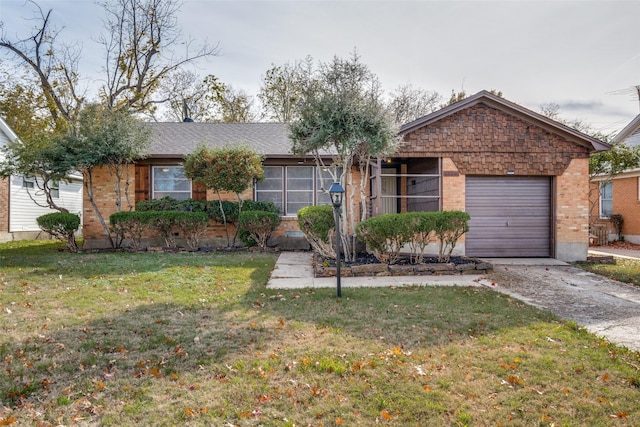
(28, 181)
(170, 181)
(55, 189)
(606, 199)
(293, 187)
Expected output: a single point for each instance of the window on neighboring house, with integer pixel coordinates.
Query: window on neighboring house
(28, 182)
(294, 187)
(606, 199)
(55, 189)
(170, 181)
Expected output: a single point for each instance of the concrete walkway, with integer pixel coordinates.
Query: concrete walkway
(618, 253)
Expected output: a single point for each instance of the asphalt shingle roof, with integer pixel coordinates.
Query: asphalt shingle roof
(179, 138)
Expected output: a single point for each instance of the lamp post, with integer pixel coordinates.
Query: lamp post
(337, 192)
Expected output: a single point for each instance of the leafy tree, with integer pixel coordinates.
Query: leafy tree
(282, 88)
(604, 165)
(409, 103)
(224, 170)
(106, 138)
(342, 112)
(235, 106)
(43, 157)
(190, 96)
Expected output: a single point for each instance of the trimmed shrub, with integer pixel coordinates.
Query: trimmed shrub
(449, 227)
(259, 225)
(385, 235)
(251, 205)
(192, 225)
(129, 224)
(62, 226)
(421, 225)
(318, 225)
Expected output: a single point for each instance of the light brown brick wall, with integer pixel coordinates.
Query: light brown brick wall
(4, 205)
(626, 203)
(483, 140)
(105, 199)
(572, 203)
(453, 187)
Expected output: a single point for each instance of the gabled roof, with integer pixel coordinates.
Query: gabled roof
(4, 128)
(630, 132)
(489, 99)
(175, 140)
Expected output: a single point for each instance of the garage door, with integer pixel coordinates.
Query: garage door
(510, 216)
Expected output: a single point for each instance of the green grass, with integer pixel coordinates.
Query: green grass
(625, 270)
(196, 339)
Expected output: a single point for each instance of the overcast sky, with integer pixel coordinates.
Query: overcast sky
(581, 55)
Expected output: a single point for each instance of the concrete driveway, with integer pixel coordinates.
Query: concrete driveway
(605, 307)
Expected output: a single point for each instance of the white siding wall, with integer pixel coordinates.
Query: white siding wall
(23, 211)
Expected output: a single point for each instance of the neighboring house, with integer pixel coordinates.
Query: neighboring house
(622, 194)
(18, 210)
(523, 177)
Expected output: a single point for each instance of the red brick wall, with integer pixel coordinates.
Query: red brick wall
(4, 205)
(626, 203)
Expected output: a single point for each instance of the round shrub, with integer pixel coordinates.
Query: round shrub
(61, 225)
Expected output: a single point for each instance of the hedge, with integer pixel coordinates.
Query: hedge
(386, 235)
(258, 226)
(165, 223)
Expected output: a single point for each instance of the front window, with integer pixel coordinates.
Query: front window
(606, 199)
(170, 181)
(293, 187)
(55, 190)
(28, 182)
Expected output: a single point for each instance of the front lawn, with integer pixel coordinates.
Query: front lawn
(196, 339)
(624, 270)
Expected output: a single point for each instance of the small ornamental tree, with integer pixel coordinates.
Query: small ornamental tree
(62, 226)
(231, 169)
(112, 139)
(342, 112)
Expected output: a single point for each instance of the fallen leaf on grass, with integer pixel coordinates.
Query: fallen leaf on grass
(385, 415)
(7, 421)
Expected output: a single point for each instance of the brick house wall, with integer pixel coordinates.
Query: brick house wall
(572, 209)
(626, 202)
(484, 140)
(4, 205)
(139, 184)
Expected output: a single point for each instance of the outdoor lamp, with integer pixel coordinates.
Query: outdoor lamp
(337, 192)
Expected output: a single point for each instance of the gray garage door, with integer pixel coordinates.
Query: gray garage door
(510, 216)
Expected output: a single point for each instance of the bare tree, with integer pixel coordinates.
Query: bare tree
(283, 87)
(140, 44)
(55, 66)
(191, 97)
(409, 103)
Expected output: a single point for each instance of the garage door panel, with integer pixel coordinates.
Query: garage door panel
(510, 216)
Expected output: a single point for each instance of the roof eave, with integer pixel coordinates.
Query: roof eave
(593, 144)
(628, 130)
